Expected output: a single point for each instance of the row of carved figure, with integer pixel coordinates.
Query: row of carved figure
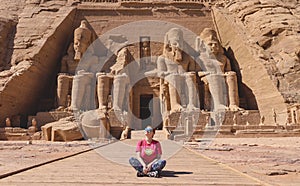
(176, 69)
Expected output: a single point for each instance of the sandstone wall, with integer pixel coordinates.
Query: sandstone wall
(254, 73)
(9, 12)
(42, 35)
(7, 29)
(103, 19)
(272, 28)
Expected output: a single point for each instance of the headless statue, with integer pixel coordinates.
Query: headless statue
(121, 78)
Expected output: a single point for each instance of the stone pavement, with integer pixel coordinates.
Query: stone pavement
(108, 165)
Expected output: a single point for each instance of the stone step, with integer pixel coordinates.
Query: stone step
(139, 134)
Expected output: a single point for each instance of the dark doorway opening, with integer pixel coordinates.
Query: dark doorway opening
(146, 109)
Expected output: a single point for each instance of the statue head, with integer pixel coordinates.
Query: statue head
(123, 59)
(211, 42)
(83, 24)
(123, 56)
(82, 39)
(173, 43)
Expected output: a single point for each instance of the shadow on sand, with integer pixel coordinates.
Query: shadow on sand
(167, 173)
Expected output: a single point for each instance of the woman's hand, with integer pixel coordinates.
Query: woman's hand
(145, 171)
(149, 168)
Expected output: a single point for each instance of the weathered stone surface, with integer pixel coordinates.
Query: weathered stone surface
(95, 124)
(7, 29)
(35, 57)
(271, 31)
(63, 130)
(43, 118)
(261, 40)
(256, 72)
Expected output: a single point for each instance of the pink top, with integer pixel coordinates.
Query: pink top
(148, 152)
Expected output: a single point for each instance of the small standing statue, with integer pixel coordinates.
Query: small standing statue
(34, 124)
(234, 120)
(207, 120)
(262, 120)
(7, 122)
(145, 53)
(274, 115)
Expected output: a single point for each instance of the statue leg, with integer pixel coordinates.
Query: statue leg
(207, 97)
(120, 82)
(103, 90)
(79, 88)
(193, 101)
(63, 85)
(175, 86)
(104, 127)
(217, 87)
(233, 95)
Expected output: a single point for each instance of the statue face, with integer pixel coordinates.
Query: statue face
(176, 44)
(79, 46)
(213, 47)
(123, 55)
(82, 40)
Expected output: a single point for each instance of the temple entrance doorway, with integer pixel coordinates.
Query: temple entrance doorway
(146, 109)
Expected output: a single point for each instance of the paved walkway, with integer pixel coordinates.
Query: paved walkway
(184, 167)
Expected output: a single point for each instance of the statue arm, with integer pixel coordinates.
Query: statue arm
(227, 65)
(64, 66)
(192, 65)
(161, 65)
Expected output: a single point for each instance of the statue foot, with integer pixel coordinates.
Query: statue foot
(103, 107)
(72, 109)
(234, 108)
(60, 108)
(116, 109)
(176, 108)
(220, 107)
(191, 107)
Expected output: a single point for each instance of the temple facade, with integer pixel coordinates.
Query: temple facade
(180, 66)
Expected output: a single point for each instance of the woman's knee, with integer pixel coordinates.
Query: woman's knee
(132, 160)
(163, 164)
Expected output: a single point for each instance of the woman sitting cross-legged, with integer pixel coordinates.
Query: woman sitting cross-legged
(148, 162)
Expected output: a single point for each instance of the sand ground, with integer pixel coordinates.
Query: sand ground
(272, 160)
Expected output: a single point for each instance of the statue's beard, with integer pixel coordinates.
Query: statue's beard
(177, 54)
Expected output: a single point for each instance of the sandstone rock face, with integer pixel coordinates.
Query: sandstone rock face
(272, 27)
(9, 12)
(7, 28)
(265, 40)
(63, 130)
(42, 33)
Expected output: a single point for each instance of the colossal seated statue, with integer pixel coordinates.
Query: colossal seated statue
(77, 76)
(216, 66)
(177, 69)
(121, 74)
(65, 78)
